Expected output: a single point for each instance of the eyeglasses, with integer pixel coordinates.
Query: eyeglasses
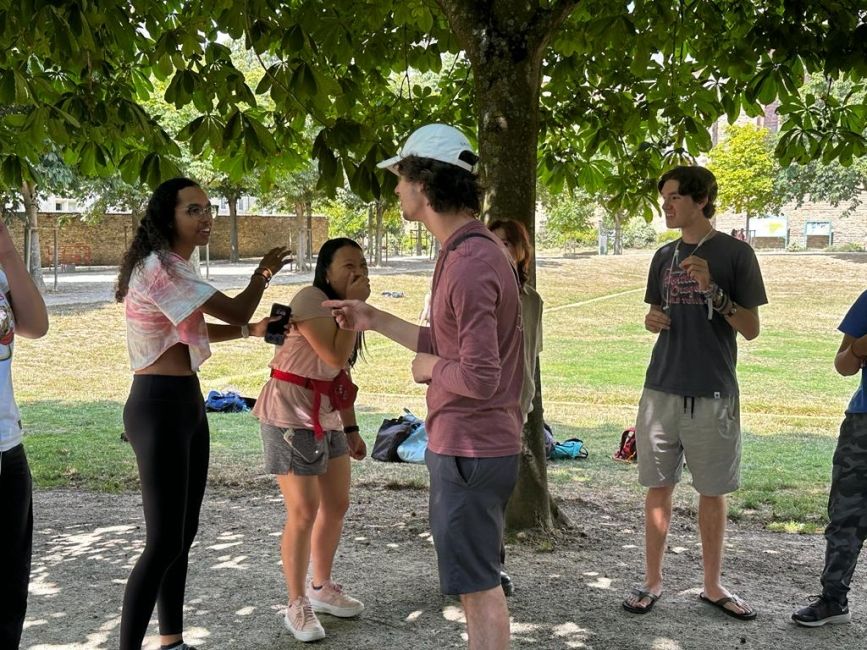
(200, 211)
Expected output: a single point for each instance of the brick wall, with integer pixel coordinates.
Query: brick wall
(104, 243)
(848, 229)
(845, 229)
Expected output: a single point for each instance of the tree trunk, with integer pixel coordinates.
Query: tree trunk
(618, 233)
(32, 253)
(234, 251)
(505, 42)
(377, 255)
(301, 239)
(308, 211)
(531, 505)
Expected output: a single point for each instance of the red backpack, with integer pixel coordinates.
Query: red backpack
(627, 451)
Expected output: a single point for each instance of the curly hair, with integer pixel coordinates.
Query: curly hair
(323, 261)
(448, 187)
(699, 183)
(155, 231)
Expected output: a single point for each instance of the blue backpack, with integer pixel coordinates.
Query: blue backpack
(225, 402)
(571, 449)
(412, 449)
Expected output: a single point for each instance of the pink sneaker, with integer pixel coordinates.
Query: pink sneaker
(302, 622)
(331, 600)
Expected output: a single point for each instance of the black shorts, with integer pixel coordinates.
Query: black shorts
(468, 498)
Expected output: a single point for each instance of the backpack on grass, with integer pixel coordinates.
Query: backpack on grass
(571, 449)
(627, 452)
(392, 434)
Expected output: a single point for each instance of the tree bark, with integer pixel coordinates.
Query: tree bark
(377, 242)
(308, 212)
(301, 263)
(618, 233)
(369, 235)
(505, 41)
(234, 251)
(32, 252)
(531, 505)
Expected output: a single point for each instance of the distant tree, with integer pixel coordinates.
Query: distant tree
(347, 215)
(745, 168)
(823, 177)
(569, 216)
(831, 182)
(295, 191)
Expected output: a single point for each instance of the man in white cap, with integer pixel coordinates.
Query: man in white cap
(471, 358)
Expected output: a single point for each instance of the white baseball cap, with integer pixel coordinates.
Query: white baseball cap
(439, 142)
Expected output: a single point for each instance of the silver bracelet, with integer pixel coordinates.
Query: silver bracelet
(245, 331)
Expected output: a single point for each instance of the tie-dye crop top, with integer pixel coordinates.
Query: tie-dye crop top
(162, 309)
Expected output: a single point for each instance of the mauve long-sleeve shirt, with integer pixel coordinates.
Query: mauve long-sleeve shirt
(474, 394)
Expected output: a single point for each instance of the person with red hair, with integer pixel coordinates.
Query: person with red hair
(516, 239)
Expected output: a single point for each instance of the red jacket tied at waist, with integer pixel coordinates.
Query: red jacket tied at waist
(340, 390)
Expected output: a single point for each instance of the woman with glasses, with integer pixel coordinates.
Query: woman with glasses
(164, 417)
(22, 313)
(309, 432)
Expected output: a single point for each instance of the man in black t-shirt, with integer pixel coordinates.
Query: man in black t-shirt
(703, 289)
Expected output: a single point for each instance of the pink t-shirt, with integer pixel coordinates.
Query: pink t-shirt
(287, 405)
(162, 309)
(474, 397)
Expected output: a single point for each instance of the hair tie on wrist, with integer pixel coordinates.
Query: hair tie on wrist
(265, 274)
(352, 428)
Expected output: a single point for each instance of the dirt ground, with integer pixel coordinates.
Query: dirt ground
(85, 545)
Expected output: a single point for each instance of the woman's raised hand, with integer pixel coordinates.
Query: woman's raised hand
(275, 259)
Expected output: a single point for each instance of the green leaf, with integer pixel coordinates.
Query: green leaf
(232, 131)
(294, 39)
(304, 82)
(11, 171)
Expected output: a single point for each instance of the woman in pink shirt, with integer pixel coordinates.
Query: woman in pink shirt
(309, 432)
(164, 417)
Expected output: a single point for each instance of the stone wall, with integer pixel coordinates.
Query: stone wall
(850, 229)
(103, 243)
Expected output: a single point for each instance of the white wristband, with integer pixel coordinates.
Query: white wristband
(245, 331)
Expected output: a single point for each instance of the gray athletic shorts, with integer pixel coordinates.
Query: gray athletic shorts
(296, 451)
(706, 431)
(468, 499)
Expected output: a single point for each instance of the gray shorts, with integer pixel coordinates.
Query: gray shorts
(468, 499)
(296, 451)
(706, 431)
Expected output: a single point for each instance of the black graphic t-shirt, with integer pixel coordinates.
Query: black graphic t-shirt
(697, 356)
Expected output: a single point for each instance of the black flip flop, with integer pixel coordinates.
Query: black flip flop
(748, 615)
(640, 594)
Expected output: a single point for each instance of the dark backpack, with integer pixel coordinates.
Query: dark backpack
(549, 439)
(391, 435)
(227, 401)
(627, 452)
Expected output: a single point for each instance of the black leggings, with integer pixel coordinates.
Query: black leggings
(165, 422)
(16, 543)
